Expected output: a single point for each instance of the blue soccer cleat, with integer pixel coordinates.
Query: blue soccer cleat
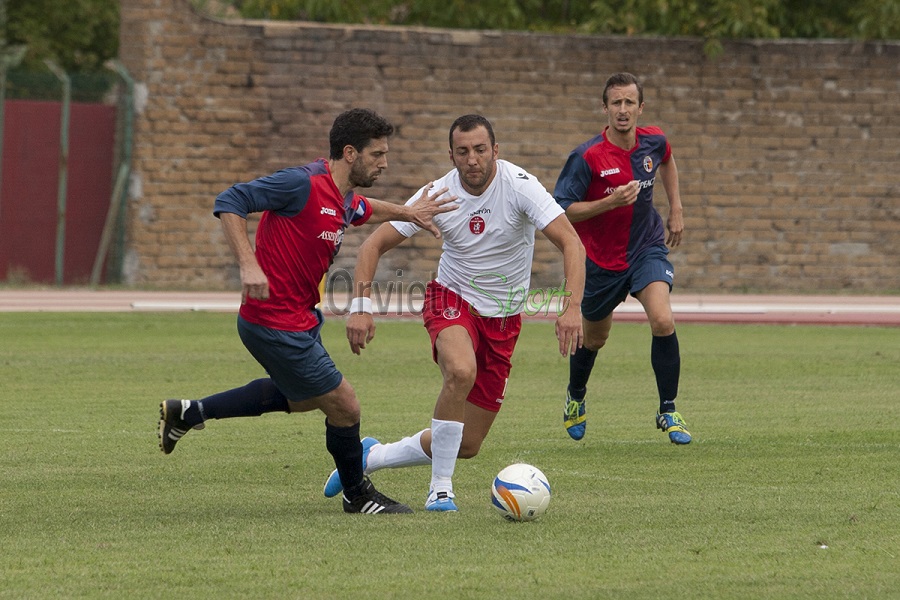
(441, 502)
(333, 485)
(574, 418)
(674, 425)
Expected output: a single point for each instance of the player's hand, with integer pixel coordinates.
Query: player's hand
(569, 331)
(627, 194)
(675, 225)
(430, 204)
(360, 331)
(254, 283)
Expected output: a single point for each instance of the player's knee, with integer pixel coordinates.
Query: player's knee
(661, 327)
(459, 377)
(341, 416)
(341, 406)
(595, 342)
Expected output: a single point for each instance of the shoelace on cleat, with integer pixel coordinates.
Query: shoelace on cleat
(673, 421)
(572, 408)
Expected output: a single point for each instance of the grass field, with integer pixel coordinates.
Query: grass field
(791, 488)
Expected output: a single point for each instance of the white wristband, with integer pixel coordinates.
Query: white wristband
(361, 305)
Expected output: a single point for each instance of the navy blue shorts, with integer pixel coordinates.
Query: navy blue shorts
(605, 290)
(295, 360)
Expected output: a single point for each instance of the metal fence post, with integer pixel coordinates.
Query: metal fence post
(127, 144)
(119, 195)
(63, 168)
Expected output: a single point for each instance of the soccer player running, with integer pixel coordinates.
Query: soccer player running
(606, 189)
(304, 210)
(486, 259)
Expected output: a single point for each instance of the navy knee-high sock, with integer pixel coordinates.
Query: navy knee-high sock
(666, 361)
(256, 398)
(344, 445)
(580, 366)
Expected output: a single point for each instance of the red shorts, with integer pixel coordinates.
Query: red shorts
(493, 338)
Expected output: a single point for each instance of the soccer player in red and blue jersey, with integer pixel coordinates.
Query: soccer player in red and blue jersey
(304, 213)
(606, 189)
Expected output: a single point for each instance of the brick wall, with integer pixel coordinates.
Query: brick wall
(787, 150)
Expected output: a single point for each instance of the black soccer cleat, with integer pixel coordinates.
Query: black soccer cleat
(171, 426)
(372, 502)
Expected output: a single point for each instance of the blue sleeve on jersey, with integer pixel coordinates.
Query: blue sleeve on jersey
(284, 192)
(573, 181)
(360, 211)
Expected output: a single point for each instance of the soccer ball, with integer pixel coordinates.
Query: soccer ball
(520, 492)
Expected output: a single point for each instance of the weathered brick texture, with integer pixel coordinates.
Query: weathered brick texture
(787, 150)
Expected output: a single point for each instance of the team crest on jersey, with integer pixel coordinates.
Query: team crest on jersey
(648, 164)
(476, 225)
(451, 312)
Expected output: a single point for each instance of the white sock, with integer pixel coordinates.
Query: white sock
(405, 453)
(446, 437)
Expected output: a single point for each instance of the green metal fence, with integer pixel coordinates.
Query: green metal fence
(112, 87)
(22, 84)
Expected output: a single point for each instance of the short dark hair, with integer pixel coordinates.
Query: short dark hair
(620, 80)
(357, 127)
(470, 122)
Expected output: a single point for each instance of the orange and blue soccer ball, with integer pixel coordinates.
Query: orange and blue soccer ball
(520, 492)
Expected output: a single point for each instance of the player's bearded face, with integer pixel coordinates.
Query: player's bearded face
(368, 164)
(474, 158)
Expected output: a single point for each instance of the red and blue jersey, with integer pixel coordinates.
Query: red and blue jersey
(592, 172)
(302, 226)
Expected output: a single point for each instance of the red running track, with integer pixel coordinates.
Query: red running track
(688, 308)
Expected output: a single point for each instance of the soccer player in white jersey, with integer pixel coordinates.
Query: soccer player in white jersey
(486, 261)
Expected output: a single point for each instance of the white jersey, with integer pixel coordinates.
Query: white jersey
(489, 240)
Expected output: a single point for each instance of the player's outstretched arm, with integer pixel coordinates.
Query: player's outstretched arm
(360, 323)
(421, 212)
(568, 322)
